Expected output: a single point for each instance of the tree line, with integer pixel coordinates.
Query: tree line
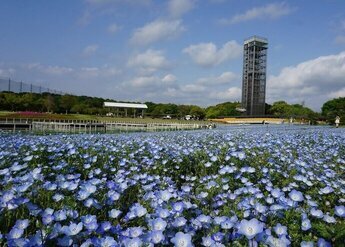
(47, 102)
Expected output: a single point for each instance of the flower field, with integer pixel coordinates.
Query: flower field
(258, 186)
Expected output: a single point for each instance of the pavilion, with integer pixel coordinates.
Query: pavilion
(123, 107)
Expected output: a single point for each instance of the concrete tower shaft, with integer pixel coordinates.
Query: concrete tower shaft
(254, 75)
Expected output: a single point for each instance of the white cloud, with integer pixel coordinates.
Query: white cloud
(90, 49)
(312, 81)
(207, 54)
(169, 78)
(56, 70)
(151, 83)
(230, 94)
(177, 8)
(6, 72)
(48, 69)
(156, 31)
(224, 78)
(338, 93)
(269, 11)
(193, 88)
(113, 28)
(82, 72)
(149, 61)
(144, 81)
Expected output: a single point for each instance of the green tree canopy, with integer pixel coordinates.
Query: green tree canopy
(226, 109)
(333, 108)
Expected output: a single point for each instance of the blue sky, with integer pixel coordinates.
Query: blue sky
(178, 51)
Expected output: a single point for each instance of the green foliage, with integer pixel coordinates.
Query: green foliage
(283, 109)
(333, 108)
(175, 111)
(223, 110)
(48, 102)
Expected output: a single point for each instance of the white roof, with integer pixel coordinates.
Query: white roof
(125, 105)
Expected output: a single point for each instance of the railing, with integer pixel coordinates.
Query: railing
(84, 126)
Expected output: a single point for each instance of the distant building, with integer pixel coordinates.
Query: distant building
(254, 75)
(125, 106)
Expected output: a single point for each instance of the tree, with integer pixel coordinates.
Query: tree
(197, 112)
(280, 109)
(49, 103)
(333, 108)
(226, 109)
(67, 101)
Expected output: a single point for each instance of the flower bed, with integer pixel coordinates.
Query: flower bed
(225, 187)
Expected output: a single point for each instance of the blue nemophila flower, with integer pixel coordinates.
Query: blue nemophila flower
(106, 241)
(329, 219)
(73, 229)
(280, 230)
(326, 190)
(132, 242)
(323, 243)
(104, 227)
(227, 224)
(214, 158)
(178, 207)
(28, 158)
(58, 197)
(114, 213)
(18, 242)
(276, 193)
(156, 236)
(36, 240)
(218, 236)
(207, 241)
(135, 232)
(182, 240)
(316, 213)
(307, 244)
(113, 196)
(208, 164)
(179, 222)
(186, 188)
(306, 225)
(60, 215)
(22, 224)
(65, 241)
(7, 196)
(162, 213)
(219, 219)
(15, 233)
(90, 222)
(165, 195)
(340, 211)
(204, 219)
(47, 216)
(274, 242)
(158, 224)
(250, 228)
(296, 196)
